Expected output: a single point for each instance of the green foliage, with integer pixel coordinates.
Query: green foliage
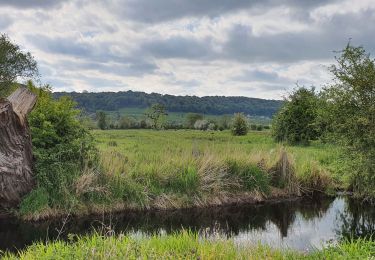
(35, 202)
(102, 120)
(14, 64)
(351, 111)
(156, 113)
(240, 125)
(61, 146)
(295, 122)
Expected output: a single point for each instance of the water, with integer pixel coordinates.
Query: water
(300, 225)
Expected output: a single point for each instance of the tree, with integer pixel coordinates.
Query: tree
(351, 105)
(16, 160)
(156, 113)
(14, 64)
(295, 122)
(240, 124)
(191, 118)
(102, 120)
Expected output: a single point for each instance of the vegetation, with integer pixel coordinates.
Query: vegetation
(62, 149)
(191, 118)
(14, 64)
(295, 123)
(351, 105)
(240, 125)
(185, 245)
(156, 113)
(342, 113)
(102, 120)
(214, 105)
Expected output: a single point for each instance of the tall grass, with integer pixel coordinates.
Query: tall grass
(187, 168)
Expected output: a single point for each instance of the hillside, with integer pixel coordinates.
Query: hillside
(214, 105)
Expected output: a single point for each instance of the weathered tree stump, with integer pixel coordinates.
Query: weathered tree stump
(16, 160)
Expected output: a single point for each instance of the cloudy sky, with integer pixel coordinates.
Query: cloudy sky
(255, 48)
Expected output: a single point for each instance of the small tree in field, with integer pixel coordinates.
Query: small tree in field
(156, 113)
(295, 122)
(14, 64)
(102, 120)
(240, 125)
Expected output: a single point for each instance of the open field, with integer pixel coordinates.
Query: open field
(185, 245)
(197, 168)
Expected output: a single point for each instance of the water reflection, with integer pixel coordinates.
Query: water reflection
(300, 225)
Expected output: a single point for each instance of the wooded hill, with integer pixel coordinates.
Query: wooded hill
(214, 105)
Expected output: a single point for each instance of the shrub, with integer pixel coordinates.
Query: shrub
(61, 146)
(295, 122)
(240, 125)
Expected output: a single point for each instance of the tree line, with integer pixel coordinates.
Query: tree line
(214, 105)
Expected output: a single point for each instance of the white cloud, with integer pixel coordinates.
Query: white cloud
(257, 49)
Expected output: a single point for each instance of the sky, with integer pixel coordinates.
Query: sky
(253, 48)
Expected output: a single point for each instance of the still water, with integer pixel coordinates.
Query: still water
(301, 225)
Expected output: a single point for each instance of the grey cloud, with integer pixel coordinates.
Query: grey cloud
(163, 10)
(60, 45)
(261, 76)
(318, 43)
(5, 22)
(178, 47)
(32, 3)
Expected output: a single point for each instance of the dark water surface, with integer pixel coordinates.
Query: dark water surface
(300, 225)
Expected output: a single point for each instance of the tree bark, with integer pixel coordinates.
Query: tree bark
(16, 160)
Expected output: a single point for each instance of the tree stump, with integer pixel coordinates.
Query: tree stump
(16, 160)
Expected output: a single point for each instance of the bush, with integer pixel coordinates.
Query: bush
(295, 122)
(61, 146)
(240, 125)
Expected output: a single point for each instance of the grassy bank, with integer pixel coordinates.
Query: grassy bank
(184, 245)
(186, 168)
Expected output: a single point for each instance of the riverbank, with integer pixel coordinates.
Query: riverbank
(159, 170)
(185, 245)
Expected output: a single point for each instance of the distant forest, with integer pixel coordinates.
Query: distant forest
(214, 105)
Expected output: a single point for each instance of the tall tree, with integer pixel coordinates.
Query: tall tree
(14, 64)
(351, 103)
(102, 120)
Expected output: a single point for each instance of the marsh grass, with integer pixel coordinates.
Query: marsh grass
(187, 168)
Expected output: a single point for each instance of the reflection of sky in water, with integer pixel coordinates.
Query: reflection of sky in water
(302, 234)
(300, 225)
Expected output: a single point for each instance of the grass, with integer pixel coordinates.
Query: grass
(188, 167)
(184, 245)
(167, 169)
